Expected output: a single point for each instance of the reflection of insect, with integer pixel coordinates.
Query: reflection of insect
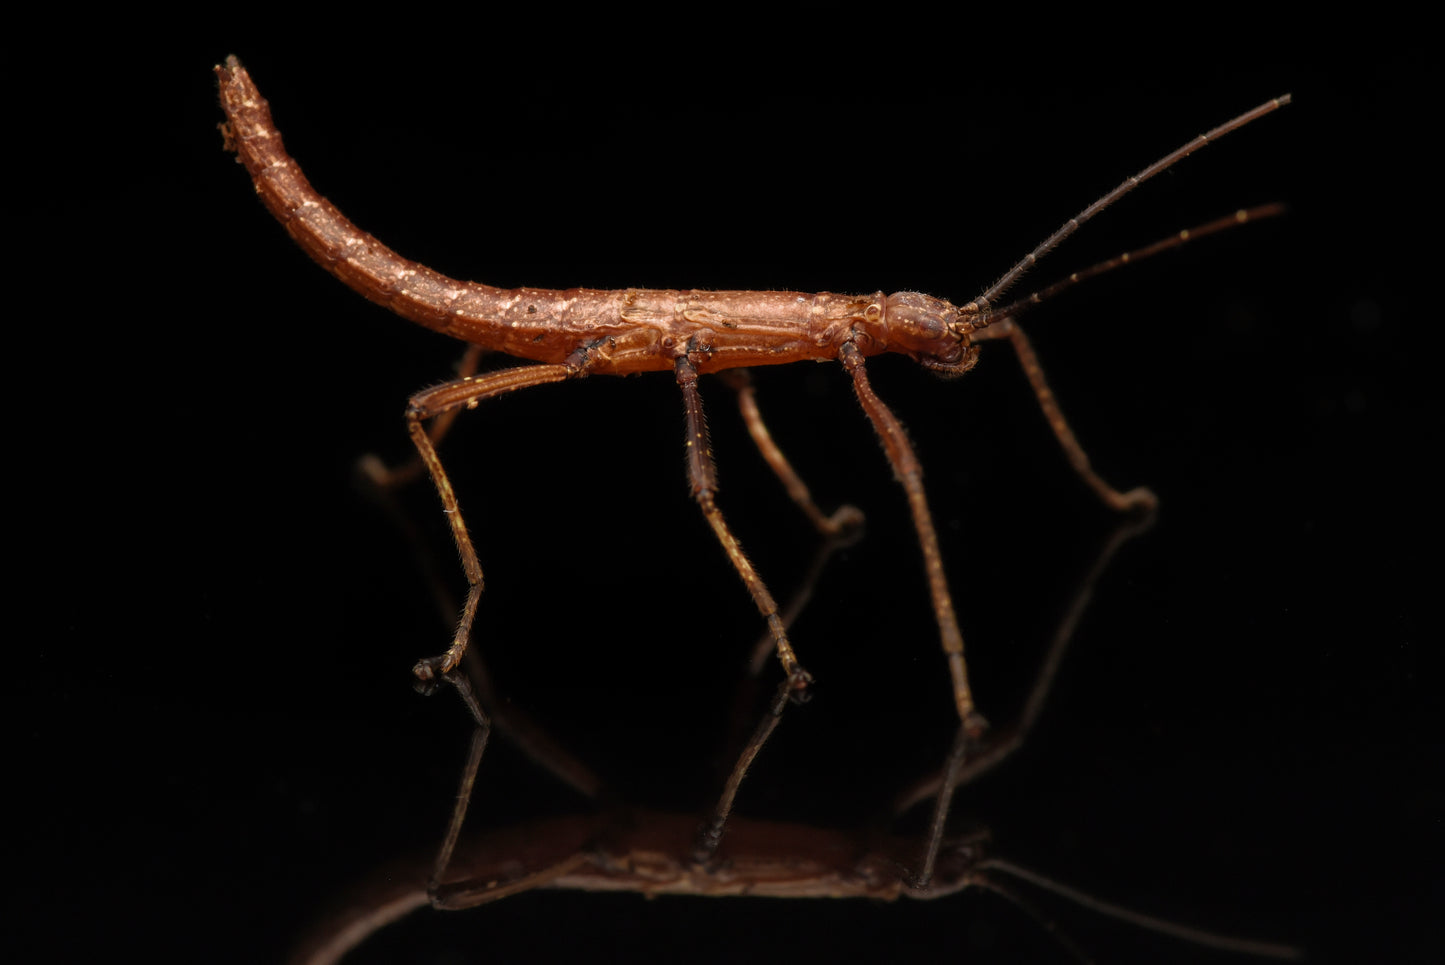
(582, 332)
(649, 853)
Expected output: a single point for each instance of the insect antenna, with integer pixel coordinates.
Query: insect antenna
(1178, 240)
(1049, 926)
(982, 305)
(1194, 936)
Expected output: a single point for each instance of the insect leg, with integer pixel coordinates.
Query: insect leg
(385, 478)
(712, 831)
(846, 521)
(838, 530)
(433, 402)
(473, 684)
(1140, 498)
(472, 678)
(910, 475)
(703, 477)
(481, 889)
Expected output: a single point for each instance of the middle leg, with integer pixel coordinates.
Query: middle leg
(840, 529)
(702, 475)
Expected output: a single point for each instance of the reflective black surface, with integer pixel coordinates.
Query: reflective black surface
(218, 720)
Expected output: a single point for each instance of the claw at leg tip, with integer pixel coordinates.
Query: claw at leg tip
(975, 725)
(1141, 500)
(431, 668)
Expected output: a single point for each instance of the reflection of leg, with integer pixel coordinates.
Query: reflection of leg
(469, 780)
(536, 745)
(712, 831)
(524, 733)
(514, 861)
(1134, 499)
(941, 806)
(1004, 741)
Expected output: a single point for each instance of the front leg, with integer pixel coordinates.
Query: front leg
(909, 473)
(1140, 499)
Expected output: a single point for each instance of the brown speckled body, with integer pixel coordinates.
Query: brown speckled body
(626, 331)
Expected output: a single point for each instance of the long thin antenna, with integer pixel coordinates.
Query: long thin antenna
(982, 303)
(1176, 240)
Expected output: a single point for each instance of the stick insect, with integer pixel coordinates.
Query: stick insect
(578, 332)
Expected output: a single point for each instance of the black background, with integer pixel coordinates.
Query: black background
(216, 726)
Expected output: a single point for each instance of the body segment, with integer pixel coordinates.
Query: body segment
(627, 331)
